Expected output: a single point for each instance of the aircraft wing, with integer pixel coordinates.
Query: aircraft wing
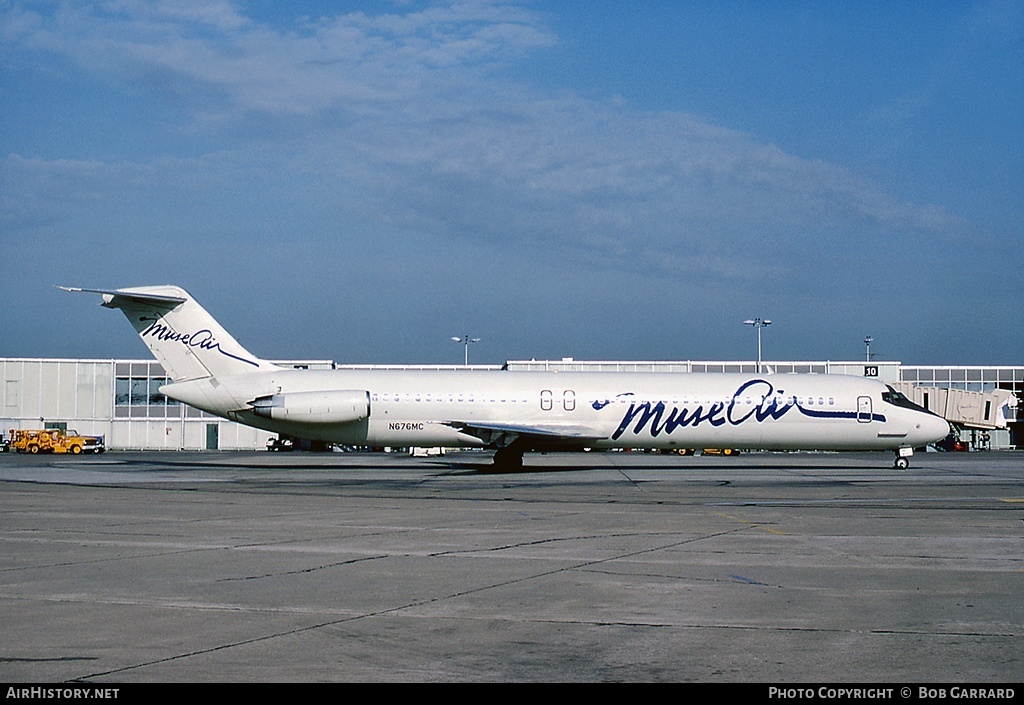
(503, 434)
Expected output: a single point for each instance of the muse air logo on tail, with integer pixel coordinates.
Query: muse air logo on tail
(202, 339)
(179, 332)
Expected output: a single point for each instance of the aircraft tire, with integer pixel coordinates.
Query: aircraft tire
(505, 459)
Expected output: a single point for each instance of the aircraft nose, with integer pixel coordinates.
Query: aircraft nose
(931, 428)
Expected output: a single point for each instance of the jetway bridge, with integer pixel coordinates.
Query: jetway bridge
(986, 411)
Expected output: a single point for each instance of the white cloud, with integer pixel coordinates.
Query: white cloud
(408, 115)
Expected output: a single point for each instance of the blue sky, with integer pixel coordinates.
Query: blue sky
(361, 181)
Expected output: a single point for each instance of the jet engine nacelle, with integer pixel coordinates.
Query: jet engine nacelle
(339, 406)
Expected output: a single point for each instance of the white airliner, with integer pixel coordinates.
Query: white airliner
(514, 412)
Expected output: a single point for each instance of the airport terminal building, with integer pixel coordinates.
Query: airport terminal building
(120, 399)
(117, 399)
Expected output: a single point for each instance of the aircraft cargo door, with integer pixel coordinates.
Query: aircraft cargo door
(864, 409)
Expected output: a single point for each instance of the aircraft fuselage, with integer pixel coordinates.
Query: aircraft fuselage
(638, 410)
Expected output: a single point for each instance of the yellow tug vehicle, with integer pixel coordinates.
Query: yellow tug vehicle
(54, 440)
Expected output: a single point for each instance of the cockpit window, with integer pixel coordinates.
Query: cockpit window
(891, 396)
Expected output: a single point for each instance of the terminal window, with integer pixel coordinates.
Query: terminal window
(139, 396)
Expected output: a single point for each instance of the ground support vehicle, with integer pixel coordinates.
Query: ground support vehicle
(55, 441)
(280, 444)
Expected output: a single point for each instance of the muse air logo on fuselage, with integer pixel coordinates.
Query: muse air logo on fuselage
(657, 418)
(202, 339)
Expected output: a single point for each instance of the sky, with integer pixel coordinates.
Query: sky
(361, 181)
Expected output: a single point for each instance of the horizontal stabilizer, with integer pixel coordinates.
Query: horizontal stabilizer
(148, 295)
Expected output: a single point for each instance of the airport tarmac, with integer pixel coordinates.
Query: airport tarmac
(298, 567)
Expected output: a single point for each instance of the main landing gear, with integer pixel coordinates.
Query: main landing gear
(508, 458)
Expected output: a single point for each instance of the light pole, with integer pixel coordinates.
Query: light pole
(867, 344)
(759, 324)
(466, 340)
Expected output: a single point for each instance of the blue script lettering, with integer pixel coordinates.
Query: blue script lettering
(773, 405)
(202, 339)
(769, 408)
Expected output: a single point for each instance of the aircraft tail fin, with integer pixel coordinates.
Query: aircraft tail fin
(186, 340)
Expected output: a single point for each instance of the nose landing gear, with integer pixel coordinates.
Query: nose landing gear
(902, 461)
